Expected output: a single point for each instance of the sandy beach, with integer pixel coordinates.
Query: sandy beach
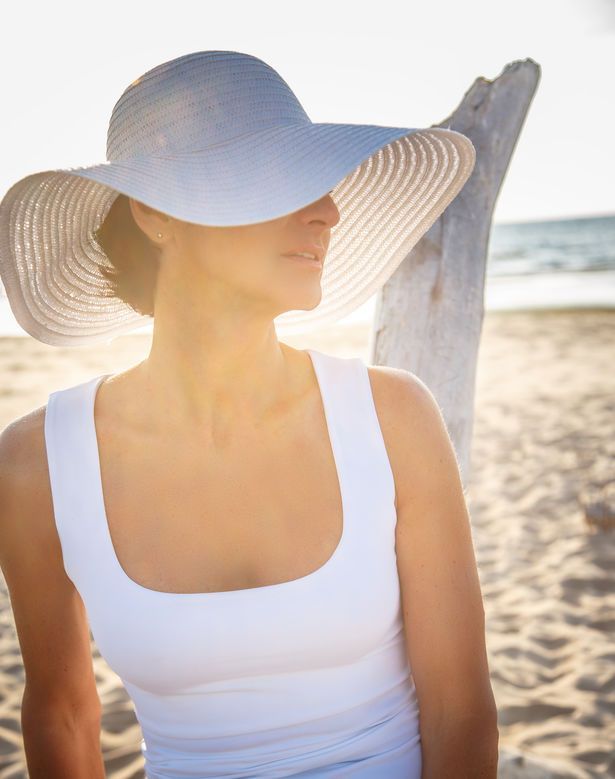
(544, 431)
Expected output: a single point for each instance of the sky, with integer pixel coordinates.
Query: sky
(64, 64)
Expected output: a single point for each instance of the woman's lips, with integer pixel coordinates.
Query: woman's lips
(300, 260)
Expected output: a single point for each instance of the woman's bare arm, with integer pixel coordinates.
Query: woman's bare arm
(442, 602)
(61, 710)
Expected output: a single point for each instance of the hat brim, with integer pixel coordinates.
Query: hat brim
(390, 185)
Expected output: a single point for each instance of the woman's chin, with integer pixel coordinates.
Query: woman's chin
(301, 303)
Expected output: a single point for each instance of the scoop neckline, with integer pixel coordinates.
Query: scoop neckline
(308, 578)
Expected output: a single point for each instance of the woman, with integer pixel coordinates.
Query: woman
(270, 545)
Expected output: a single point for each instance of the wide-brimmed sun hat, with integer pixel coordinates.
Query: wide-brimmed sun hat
(219, 138)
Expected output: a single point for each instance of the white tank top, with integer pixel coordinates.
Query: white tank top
(307, 677)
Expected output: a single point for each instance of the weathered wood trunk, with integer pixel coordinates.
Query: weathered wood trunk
(429, 314)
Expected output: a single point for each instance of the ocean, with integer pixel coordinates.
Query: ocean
(559, 263)
(563, 263)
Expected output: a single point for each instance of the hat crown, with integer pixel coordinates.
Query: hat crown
(199, 100)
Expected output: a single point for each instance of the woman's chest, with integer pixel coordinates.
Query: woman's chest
(268, 510)
(263, 566)
(342, 605)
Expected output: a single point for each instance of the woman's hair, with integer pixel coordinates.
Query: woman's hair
(134, 259)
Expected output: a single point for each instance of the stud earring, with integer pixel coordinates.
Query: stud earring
(159, 235)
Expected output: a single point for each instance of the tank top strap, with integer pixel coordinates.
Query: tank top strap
(72, 460)
(353, 421)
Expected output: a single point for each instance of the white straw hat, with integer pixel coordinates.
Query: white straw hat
(219, 138)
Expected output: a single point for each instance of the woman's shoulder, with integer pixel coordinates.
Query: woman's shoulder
(398, 394)
(26, 507)
(26, 504)
(22, 447)
(405, 399)
(409, 415)
(23, 464)
(400, 384)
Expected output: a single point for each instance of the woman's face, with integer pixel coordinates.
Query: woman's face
(246, 264)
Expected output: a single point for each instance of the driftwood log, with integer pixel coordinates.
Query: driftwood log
(429, 314)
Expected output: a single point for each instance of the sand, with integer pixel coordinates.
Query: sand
(544, 430)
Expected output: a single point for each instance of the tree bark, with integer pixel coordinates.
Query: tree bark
(429, 314)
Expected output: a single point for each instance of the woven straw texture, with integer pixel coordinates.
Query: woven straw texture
(218, 138)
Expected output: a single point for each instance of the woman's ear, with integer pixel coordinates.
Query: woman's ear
(151, 221)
